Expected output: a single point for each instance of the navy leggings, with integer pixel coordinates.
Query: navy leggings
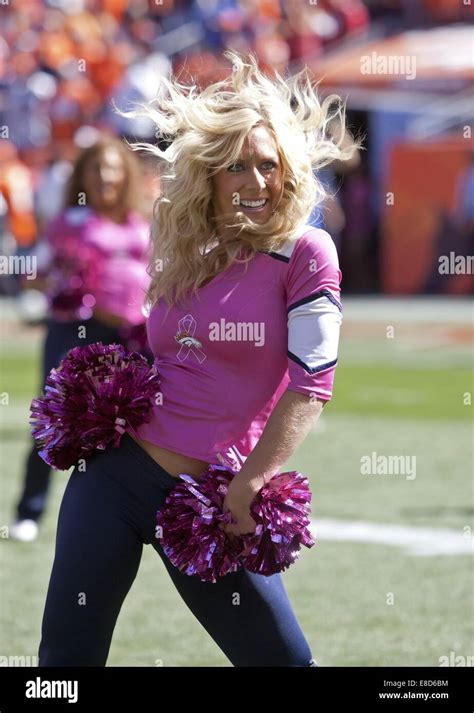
(107, 514)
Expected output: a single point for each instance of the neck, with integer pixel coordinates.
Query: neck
(116, 214)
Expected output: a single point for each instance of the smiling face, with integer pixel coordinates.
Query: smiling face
(253, 184)
(104, 178)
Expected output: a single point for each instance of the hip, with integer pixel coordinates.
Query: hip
(172, 462)
(117, 485)
(129, 463)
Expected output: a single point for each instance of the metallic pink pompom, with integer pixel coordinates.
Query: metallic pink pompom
(89, 401)
(188, 526)
(281, 510)
(191, 534)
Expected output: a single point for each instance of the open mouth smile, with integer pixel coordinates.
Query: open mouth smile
(253, 206)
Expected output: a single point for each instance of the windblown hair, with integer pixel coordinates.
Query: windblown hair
(75, 186)
(205, 131)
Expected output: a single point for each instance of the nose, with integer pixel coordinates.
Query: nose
(255, 181)
(107, 175)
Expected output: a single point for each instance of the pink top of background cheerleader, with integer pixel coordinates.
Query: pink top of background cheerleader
(226, 358)
(98, 263)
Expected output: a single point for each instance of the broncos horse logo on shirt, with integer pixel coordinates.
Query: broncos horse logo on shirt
(185, 338)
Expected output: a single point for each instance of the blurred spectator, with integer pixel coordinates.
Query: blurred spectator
(66, 59)
(19, 229)
(455, 235)
(357, 252)
(16, 186)
(464, 212)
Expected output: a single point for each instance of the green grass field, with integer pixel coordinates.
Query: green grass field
(392, 398)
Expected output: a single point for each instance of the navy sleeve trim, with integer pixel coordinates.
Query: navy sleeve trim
(277, 256)
(308, 369)
(316, 296)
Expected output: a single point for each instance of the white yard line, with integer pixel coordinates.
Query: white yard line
(420, 541)
(438, 309)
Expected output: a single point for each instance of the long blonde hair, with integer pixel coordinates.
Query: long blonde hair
(205, 131)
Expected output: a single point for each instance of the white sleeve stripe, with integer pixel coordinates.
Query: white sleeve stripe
(313, 334)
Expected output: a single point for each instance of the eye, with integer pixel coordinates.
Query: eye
(268, 165)
(235, 167)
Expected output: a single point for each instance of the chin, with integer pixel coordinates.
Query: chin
(110, 204)
(258, 217)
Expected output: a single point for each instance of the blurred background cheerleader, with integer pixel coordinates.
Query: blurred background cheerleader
(95, 277)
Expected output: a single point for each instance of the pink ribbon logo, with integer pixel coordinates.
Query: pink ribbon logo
(185, 337)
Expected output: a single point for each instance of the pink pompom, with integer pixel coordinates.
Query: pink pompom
(281, 510)
(188, 526)
(192, 537)
(90, 399)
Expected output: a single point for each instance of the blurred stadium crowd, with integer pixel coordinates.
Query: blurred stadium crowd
(64, 61)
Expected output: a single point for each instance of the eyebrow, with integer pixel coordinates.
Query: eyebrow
(274, 158)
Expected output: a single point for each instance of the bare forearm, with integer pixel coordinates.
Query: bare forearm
(285, 430)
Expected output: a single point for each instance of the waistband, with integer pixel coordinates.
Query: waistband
(128, 447)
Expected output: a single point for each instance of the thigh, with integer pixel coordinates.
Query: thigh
(249, 616)
(96, 560)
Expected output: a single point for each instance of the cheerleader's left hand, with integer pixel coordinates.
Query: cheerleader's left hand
(238, 500)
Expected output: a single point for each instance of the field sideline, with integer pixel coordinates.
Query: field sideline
(398, 392)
